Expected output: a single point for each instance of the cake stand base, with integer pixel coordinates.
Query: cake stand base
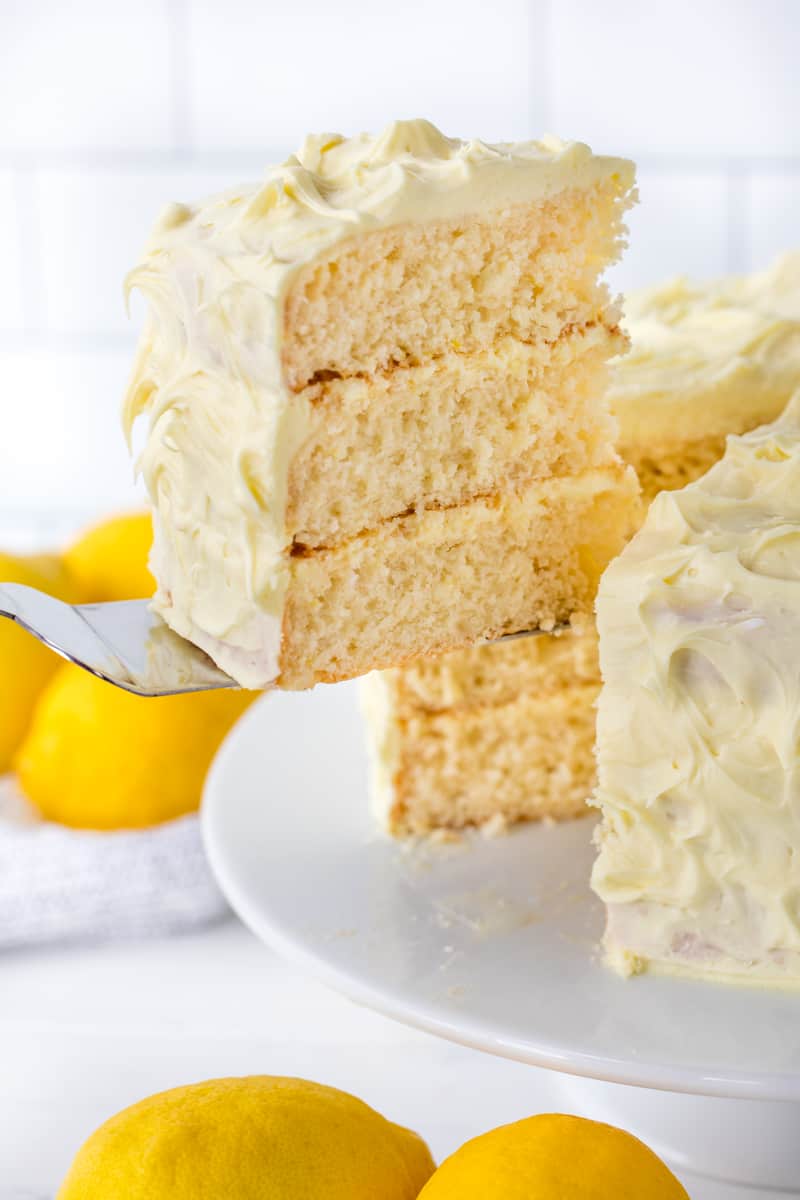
(755, 1143)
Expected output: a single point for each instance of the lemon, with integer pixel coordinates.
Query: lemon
(260, 1137)
(551, 1157)
(109, 561)
(25, 664)
(96, 757)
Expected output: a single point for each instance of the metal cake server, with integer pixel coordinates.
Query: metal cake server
(125, 642)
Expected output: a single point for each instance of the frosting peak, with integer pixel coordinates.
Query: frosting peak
(323, 152)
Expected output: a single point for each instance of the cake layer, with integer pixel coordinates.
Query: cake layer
(698, 720)
(666, 466)
(438, 434)
(403, 295)
(435, 580)
(530, 758)
(497, 674)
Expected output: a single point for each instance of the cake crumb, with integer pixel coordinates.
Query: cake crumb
(445, 837)
(495, 826)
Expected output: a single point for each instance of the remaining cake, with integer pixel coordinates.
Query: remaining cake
(706, 360)
(493, 734)
(374, 384)
(506, 731)
(699, 718)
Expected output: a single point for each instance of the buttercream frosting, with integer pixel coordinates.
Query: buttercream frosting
(208, 372)
(699, 721)
(713, 357)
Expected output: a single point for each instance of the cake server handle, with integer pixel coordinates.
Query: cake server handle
(123, 642)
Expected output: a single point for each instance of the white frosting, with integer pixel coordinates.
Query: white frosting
(223, 425)
(699, 721)
(383, 741)
(715, 358)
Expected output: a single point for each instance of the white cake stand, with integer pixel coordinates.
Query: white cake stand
(493, 943)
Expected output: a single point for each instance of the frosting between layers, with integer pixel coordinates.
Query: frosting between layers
(708, 359)
(699, 720)
(382, 738)
(208, 371)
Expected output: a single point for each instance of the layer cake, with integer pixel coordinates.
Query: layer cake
(373, 390)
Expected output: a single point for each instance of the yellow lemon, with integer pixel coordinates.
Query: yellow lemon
(552, 1157)
(96, 757)
(109, 561)
(260, 1137)
(25, 664)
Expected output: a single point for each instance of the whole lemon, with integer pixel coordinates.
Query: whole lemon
(109, 561)
(25, 663)
(96, 757)
(260, 1137)
(552, 1157)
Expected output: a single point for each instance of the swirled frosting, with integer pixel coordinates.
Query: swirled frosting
(208, 373)
(716, 357)
(699, 720)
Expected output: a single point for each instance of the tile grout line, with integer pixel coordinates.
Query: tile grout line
(540, 79)
(180, 77)
(34, 293)
(738, 249)
(42, 340)
(51, 157)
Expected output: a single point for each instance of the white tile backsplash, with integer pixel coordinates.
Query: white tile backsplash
(12, 290)
(67, 451)
(678, 227)
(263, 75)
(772, 214)
(87, 75)
(108, 110)
(694, 77)
(94, 223)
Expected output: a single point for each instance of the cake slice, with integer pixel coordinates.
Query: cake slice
(373, 385)
(505, 732)
(698, 720)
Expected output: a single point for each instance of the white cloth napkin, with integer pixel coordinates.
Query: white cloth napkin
(59, 884)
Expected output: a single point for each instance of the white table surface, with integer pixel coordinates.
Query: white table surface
(86, 1031)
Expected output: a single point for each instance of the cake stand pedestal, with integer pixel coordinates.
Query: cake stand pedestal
(493, 942)
(747, 1142)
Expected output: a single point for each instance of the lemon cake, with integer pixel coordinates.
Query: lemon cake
(506, 731)
(373, 390)
(698, 719)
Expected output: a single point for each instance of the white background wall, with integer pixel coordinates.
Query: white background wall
(108, 108)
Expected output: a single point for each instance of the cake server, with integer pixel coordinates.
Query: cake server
(125, 642)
